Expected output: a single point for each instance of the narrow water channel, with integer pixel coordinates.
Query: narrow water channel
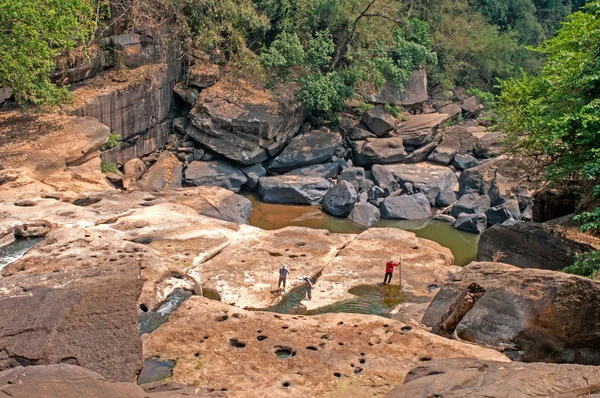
(16, 250)
(275, 216)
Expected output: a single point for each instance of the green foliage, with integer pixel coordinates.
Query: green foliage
(109, 167)
(394, 110)
(487, 98)
(113, 141)
(586, 264)
(362, 108)
(556, 116)
(32, 34)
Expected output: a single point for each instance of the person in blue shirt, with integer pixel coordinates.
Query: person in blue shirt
(283, 273)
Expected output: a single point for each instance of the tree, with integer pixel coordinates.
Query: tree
(32, 34)
(555, 116)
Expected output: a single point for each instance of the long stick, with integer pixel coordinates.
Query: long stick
(400, 273)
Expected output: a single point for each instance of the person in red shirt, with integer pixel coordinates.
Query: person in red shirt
(389, 269)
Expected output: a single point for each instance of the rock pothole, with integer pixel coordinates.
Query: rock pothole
(236, 343)
(284, 352)
(261, 338)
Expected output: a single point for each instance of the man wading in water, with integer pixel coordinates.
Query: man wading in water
(283, 273)
(389, 270)
(309, 286)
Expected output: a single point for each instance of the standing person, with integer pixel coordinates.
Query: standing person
(309, 286)
(283, 273)
(389, 270)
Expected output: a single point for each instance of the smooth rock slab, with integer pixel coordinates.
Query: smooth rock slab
(379, 121)
(217, 173)
(165, 173)
(490, 145)
(457, 378)
(445, 151)
(378, 151)
(326, 170)
(317, 146)
(290, 189)
(418, 130)
(406, 207)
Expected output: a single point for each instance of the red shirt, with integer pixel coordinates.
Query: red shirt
(389, 267)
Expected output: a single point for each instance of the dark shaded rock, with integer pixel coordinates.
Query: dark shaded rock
(244, 123)
(365, 214)
(253, 173)
(541, 315)
(165, 173)
(86, 317)
(180, 124)
(340, 199)
(421, 154)
(188, 94)
(445, 198)
(375, 193)
(317, 146)
(217, 173)
(419, 130)
(290, 189)
(358, 134)
(490, 145)
(471, 204)
(471, 107)
(199, 154)
(356, 176)
(452, 110)
(464, 162)
(379, 121)
(529, 245)
(549, 204)
(406, 207)
(464, 136)
(445, 151)
(501, 213)
(378, 151)
(385, 179)
(326, 170)
(462, 377)
(475, 223)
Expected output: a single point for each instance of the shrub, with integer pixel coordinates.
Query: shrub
(109, 167)
(394, 110)
(586, 264)
(113, 141)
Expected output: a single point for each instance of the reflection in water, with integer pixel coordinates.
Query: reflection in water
(16, 250)
(275, 216)
(155, 370)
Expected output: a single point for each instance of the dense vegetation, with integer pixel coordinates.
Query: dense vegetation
(329, 47)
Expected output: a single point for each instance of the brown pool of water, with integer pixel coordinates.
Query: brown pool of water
(271, 216)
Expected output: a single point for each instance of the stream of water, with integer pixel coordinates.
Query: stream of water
(275, 216)
(16, 250)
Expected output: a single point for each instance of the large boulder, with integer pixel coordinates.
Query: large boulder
(471, 204)
(464, 136)
(83, 316)
(490, 145)
(253, 173)
(378, 151)
(535, 315)
(314, 147)
(464, 377)
(406, 207)
(424, 177)
(365, 214)
(290, 189)
(464, 162)
(471, 107)
(216, 173)
(452, 110)
(165, 173)
(445, 151)
(340, 199)
(379, 121)
(133, 170)
(421, 154)
(508, 210)
(419, 130)
(475, 223)
(529, 245)
(244, 123)
(326, 170)
(414, 94)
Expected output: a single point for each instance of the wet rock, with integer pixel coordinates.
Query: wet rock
(165, 173)
(490, 145)
(464, 162)
(133, 170)
(421, 154)
(65, 316)
(326, 170)
(475, 223)
(529, 245)
(244, 123)
(406, 207)
(445, 151)
(379, 121)
(378, 151)
(317, 146)
(452, 110)
(328, 344)
(427, 178)
(537, 315)
(290, 189)
(504, 212)
(340, 199)
(471, 107)
(253, 173)
(471, 204)
(217, 173)
(365, 214)
(188, 94)
(358, 134)
(455, 378)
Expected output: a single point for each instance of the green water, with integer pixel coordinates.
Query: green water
(155, 370)
(275, 216)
